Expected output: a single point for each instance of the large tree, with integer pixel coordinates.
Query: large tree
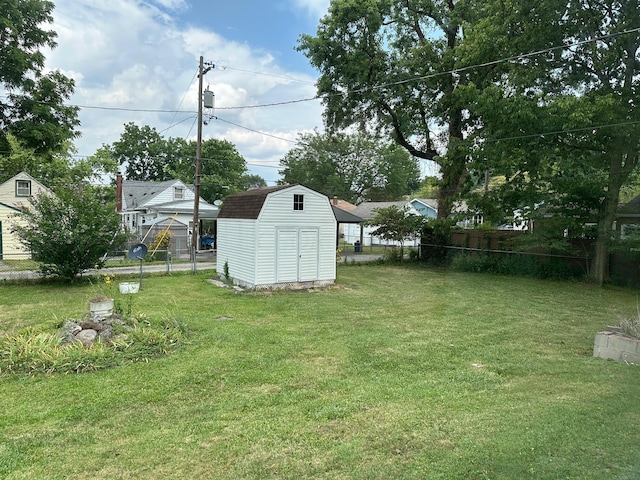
(563, 126)
(390, 64)
(147, 155)
(354, 167)
(32, 109)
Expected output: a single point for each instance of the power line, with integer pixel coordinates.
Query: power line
(276, 104)
(373, 87)
(560, 132)
(257, 131)
(285, 77)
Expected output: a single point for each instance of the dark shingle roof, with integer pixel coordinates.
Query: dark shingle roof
(247, 204)
(342, 216)
(631, 207)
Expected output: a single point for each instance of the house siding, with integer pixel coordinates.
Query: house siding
(9, 207)
(166, 195)
(278, 213)
(11, 246)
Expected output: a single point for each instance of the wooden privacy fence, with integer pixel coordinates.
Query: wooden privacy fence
(624, 268)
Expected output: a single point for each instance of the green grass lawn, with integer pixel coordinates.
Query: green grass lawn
(394, 373)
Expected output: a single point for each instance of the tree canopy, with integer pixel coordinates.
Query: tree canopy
(60, 168)
(149, 156)
(563, 125)
(543, 96)
(354, 167)
(32, 111)
(391, 65)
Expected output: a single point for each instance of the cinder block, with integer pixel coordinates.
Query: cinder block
(616, 347)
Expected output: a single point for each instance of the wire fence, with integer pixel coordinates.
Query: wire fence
(20, 266)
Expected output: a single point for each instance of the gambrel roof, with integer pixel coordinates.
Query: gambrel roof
(247, 204)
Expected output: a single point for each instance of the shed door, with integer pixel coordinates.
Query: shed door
(297, 255)
(308, 254)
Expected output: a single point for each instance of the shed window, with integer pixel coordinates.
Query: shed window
(23, 188)
(298, 202)
(178, 193)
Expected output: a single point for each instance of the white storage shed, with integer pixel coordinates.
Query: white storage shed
(276, 237)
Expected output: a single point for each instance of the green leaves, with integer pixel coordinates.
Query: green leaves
(148, 156)
(71, 231)
(34, 111)
(353, 167)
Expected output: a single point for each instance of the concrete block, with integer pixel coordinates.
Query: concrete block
(609, 345)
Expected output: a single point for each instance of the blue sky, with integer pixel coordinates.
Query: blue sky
(131, 57)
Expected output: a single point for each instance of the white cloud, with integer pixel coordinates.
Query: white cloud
(132, 55)
(315, 8)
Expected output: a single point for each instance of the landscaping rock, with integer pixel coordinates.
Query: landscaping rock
(90, 331)
(106, 334)
(87, 337)
(69, 330)
(97, 326)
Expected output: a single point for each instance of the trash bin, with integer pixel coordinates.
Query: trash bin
(356, 246)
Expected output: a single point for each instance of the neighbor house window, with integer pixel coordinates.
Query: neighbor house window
(23, 188)
(178, 193)
(298, 202)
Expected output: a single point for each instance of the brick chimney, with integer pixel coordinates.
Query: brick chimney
(334, 201)
(118, 192)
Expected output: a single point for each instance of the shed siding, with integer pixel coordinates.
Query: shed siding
(278, 213)
(236, 245)
(283, 245)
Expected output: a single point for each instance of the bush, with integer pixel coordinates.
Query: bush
(393, 255)
(514, 264)
(69, 232)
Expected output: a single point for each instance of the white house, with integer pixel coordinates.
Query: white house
(367, 210)
(148, 208)
(277, 237)
(15, 195)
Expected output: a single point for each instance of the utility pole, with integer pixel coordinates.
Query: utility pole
(196, 203)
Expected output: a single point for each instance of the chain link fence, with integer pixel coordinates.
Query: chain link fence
(20, 266)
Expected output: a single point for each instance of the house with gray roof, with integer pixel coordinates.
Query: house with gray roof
(628, 216)
(148, 208)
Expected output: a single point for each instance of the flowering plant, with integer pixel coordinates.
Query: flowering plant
(103, 284)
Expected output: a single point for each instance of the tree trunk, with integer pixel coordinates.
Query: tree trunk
(600, 265)
(620, 164)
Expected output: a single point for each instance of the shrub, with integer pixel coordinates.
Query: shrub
(393, 255)
(514, 264)
(160, 245)
(69, 232)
